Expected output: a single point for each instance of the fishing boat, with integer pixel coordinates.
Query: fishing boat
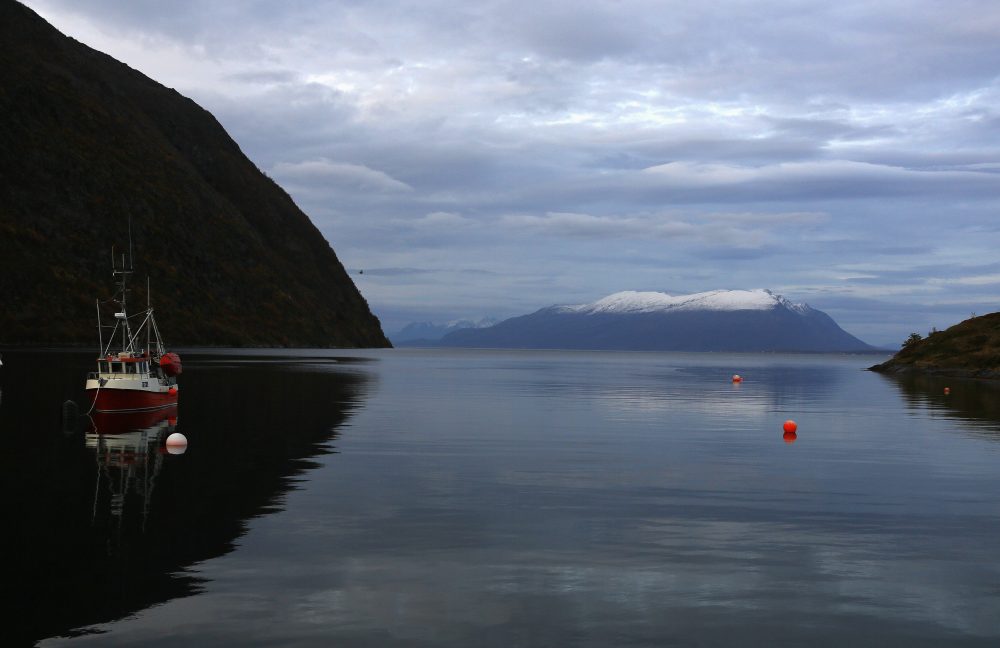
(135, 373)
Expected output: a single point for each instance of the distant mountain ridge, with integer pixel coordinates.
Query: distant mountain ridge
(718, 320)
(87, 144)
(420, 332)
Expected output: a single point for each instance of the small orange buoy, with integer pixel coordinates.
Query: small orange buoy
(737, 378)
(947, 390)
(790, 426)
(172, 391)
(789, 437)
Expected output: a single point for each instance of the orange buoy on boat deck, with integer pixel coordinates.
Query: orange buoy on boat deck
(171, 364)
(790, 426)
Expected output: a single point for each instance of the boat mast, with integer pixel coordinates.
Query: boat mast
(130, 340)
(123, 313)
(100, 334)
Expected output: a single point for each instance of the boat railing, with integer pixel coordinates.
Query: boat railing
(98, 375)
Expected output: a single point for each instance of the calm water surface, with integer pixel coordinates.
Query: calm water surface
(475, 498)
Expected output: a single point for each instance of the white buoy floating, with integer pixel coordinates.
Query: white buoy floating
(177, 443)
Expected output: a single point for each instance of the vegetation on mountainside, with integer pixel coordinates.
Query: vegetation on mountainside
(88, 145)
(970, 348)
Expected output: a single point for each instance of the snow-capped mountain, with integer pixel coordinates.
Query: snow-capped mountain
(719, 320)
(630, 301)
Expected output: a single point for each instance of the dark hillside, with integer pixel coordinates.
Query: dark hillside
(970, 348)
(86, 143)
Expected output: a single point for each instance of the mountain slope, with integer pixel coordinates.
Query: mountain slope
(970, 348)
(719, 320)
(86, 144)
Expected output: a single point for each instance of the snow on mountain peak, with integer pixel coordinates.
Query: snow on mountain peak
(631, 301)
(482, 322)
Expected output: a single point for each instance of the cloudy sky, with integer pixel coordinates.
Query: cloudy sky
(489, 158)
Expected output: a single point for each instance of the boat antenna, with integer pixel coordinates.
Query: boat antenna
(122, 276)
(131, 259)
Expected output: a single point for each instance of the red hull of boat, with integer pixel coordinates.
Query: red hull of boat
(131, 400)
(124, 422)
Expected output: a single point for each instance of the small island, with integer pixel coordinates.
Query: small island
(970, 349)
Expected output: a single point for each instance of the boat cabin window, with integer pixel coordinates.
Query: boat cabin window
(116, 367)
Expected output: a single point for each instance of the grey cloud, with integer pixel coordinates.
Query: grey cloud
(736, 232)
(391, 272)
(814, 180)
(824, 130)
(216, 25)
(740, 253)
(722, 49)
(395, 272)
(265, 76)
(801, 218)
(590, 226)
(328, 172)
(642, 153)
(574, 31)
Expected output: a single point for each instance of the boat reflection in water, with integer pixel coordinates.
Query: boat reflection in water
(102, 523)
(129, 449)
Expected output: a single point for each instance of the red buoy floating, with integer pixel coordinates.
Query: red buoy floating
(947, 390)
(737, 378)
(790, 426)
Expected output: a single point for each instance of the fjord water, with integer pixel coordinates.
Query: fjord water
(498, 498)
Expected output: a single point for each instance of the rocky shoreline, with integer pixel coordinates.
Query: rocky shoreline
(896, 368)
